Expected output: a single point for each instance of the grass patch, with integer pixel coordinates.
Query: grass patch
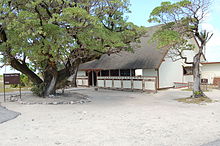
(195, 100)
(14, 89)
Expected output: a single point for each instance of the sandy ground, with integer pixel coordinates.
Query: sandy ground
(115, 118)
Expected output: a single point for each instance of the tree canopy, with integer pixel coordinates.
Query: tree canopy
(181, 22)
(55, 36)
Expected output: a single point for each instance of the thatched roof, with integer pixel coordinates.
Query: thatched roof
(146, 56)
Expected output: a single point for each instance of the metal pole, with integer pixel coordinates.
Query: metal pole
(4, 93)
(20, 91)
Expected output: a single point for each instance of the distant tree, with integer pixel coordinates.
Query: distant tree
(55, 36)
(181, 22)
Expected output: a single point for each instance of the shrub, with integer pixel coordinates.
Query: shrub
(38, 89)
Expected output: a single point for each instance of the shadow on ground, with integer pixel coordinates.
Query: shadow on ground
(6, 115)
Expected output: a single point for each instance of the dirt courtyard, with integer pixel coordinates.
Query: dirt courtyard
(115, 118)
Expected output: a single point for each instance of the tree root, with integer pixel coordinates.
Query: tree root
(199, 94)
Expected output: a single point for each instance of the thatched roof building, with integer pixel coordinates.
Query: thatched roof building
(145, 56)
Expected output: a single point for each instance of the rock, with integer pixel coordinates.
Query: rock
(51, 96)
(82, 101)
(72, 102)
(57, 143)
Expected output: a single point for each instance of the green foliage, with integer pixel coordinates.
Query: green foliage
(180, 22)
(198, 93)
(46, 29)
(54, 37)
(38, 89)
(168, 10)
(25, 81)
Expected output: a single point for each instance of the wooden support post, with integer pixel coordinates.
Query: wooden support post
(97, 74)
(122, 84)
(113, 83)
(132, 84)
(93, 84)
(143, 84)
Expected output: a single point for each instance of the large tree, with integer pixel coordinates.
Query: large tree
(55, 36)
(181, 22)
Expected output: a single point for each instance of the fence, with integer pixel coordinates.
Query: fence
(131, 83)
(203, 86)
(180, 85)
(82, 81)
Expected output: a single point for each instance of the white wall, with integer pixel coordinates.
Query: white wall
(149, 72)
(209, 71)
(187, 78)
(138, 72)
(170, 72)
(81, 73)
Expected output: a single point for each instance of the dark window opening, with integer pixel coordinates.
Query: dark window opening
(99, 73)
(187, 70)
(114, 72)
(92, 76)
(125, 72)
(105, 73)
(132, 72)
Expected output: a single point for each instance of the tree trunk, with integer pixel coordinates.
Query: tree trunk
(51, 88)
(23, 68)
(197, 92)
(73, 78)
(57, 80)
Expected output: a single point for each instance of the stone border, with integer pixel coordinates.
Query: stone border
(15, 98)
(54, 103)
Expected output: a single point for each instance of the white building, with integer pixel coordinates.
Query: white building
(211, 71)
(147, 68)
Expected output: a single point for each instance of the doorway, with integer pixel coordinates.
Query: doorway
(92, 76)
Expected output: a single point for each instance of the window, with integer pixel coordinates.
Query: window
(126, 72)
(187, 70)
(105, 73)
(114, 73)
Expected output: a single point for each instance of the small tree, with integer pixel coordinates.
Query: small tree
(55, 36)
(181, 22)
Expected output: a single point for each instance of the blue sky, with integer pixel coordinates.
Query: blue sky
(141, 10)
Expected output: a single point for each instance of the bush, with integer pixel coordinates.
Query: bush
(38, 89)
